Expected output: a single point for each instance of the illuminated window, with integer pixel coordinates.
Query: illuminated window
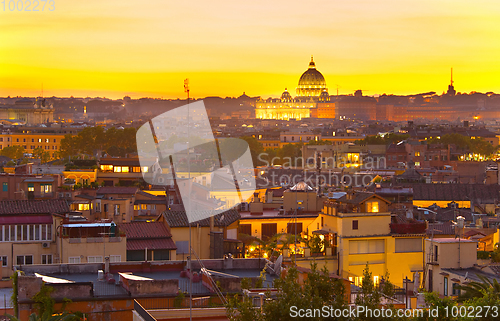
(39, 140)
(117, 169)
(144, 207)
(46, 140)
(375, 280)
(136, 169)
(31, 187)
(107, 168)
(417, 154)
(125, 169)
(145, 169)
(136, 207)
(352, 157)
(83, 207)
(372, 207)
(358, 281)
(45, 188)
(417, 164)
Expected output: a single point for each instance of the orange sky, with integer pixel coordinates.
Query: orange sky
(114, 48)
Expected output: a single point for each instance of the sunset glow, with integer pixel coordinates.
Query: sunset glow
(117, 48)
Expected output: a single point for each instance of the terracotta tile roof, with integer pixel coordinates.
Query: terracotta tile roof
(34, 207)
(145, 230)
(150, 235)
(471, 233)
(85, 196)
(179, 218)
(148, 195)
(358, 197)
(446, 228)
(117, 190)
(120, 161)
(456, 192)
(451, 214)
(151, 244)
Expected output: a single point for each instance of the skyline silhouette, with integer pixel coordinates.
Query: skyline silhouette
(226, 48)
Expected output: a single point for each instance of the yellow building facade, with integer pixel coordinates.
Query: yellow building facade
(30, 141)
(82, 176)
(364, 236)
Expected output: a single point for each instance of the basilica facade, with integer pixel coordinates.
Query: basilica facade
(312, 100)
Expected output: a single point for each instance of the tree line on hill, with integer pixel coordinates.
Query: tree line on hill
(92, 140)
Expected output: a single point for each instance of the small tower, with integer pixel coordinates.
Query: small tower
(451, 89)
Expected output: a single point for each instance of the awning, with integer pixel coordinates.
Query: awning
(151, 244)
(81, 202)
(39, 180)
(87, 225)
(25, 219)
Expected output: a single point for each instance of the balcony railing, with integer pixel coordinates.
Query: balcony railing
(408, 228)
(35, 195)
(111, 239)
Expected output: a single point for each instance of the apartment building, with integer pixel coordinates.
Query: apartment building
(28, 232)
(366, 233)
(26, 186)
(50, 142)
(120, 171)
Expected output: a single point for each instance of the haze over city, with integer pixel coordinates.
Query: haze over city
(121, 48)
(259, 160)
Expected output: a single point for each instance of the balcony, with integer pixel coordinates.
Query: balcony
(38, 195)
(146, 212)
(111, 239)
(408, 228)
